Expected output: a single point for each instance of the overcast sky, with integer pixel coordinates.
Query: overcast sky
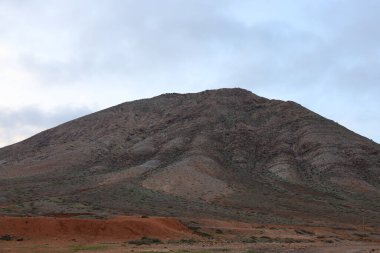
(61, 59)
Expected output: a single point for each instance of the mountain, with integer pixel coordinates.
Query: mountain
(224, 153)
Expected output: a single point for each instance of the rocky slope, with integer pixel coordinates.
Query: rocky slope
(223, 153)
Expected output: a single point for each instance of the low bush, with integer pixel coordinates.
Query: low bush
(252, 239)
(188, 241)
(304, 232)
(6, 238)
(145, 241)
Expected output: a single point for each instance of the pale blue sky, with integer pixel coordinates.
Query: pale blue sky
(63, 59)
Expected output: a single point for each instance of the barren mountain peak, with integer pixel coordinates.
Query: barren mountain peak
(226, 153)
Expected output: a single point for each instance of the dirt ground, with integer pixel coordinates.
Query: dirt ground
(92, 230)
(158, 234)
(204, 247)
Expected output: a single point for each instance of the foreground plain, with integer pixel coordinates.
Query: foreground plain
(157, 234)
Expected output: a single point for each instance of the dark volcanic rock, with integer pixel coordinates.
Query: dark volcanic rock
(222, 153)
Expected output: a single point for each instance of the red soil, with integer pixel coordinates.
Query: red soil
(117, 229)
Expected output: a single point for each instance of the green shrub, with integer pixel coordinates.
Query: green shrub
(188, 241)
(6, 238)
(251, 239)
(218, 231)
(203, 234)
(304, 232)
(145, 241)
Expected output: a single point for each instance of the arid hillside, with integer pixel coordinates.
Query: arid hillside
(225, 154)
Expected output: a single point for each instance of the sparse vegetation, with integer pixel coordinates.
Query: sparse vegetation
(99, 247)
(6, 237)
(203, 234)
(267, 239)
(304, 232)
(145, 241)
(252, 239)
(203, 251)
(218, 231)
(361, 235)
